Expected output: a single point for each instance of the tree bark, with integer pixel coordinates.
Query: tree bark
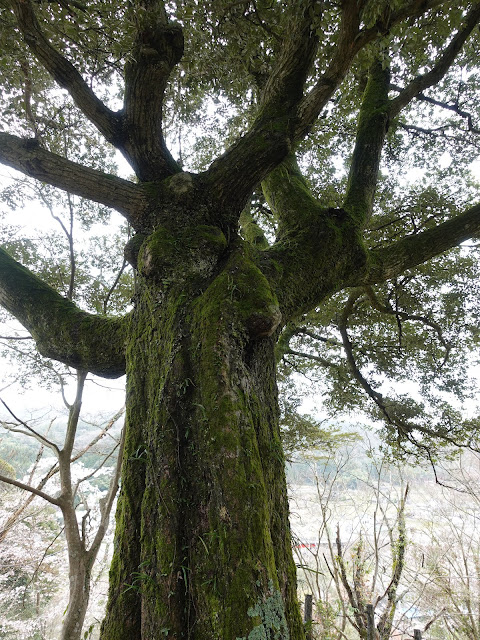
(202, 544)
(79, 593)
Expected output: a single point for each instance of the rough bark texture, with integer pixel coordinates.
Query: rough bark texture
(204, 490)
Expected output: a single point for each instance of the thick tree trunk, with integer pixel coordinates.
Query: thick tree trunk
(202, 545)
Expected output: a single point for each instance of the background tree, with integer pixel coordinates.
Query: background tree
(31, 564)
(83, 532)
(62, 484)
(449, 547)
(358, 555)
(202, 528)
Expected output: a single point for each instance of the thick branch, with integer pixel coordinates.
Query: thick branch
(420, 83)
(31, 159)
(64, 73)
(285, 114)
(388, 262)
(351, 41)
(372, 129)
(158, 48)
(61, 330)
(316, 248)
(271, 136)
(349, 44)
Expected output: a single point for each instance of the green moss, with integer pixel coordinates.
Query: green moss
(371, 131)
(270, 615)
(61, 330)
(243, 290)
(174, 256)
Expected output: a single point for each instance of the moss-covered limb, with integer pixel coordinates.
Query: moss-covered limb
(157, 49)
(285, 86)
(283, 343)
(61, 330)
(440, 68)
(251, 231)
(389, 262)
(286, 114)
(65, 73)
(372, 128)
(288, 194)
(351, 41)
(34, 161)
(316, 249)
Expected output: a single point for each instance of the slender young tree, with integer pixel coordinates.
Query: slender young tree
(202, 542)
(82, 544)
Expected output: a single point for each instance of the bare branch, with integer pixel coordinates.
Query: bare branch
(455, 107)
(107, 504)
(33, 490)
(100, 435)
(30, 431)
(322, 361)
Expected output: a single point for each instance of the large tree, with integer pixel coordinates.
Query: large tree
(202, 542)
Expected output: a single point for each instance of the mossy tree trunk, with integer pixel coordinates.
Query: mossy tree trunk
(204, 492)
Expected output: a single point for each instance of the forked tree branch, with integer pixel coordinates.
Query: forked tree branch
(136, 130)
(157, 49)
(352, 39)
(270, 138)
(61, 330)
(316, 246)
